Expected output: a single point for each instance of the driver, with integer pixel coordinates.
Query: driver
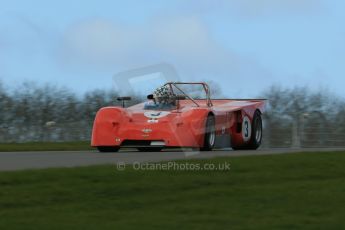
(163, 98)
(163, 95)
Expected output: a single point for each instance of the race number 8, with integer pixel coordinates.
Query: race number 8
(246, 129)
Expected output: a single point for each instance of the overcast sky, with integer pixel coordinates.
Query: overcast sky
(244, 45)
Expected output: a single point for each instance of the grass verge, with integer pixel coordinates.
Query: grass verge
(45, 146)
(293, 191)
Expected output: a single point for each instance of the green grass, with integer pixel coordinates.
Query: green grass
(45, 146)
(293, 191)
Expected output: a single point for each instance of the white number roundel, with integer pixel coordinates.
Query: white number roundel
(246, 129)
(156, 114)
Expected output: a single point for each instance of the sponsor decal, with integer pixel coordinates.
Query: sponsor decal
(152, 120)
(146, 130)
(223, 130)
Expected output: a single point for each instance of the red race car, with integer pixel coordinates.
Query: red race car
(173, 117)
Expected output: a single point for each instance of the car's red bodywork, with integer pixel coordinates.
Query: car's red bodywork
(180, 127)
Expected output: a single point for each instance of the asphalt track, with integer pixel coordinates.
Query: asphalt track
(10, 161)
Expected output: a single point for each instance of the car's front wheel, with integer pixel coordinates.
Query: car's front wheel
(210, 134)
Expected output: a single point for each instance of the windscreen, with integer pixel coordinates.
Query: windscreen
(195, 91)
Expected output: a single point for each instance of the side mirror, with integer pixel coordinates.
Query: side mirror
(150, 97)
(123, 99)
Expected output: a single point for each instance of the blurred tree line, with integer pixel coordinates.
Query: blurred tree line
(295, 117)
(299, 117)
(49, 113)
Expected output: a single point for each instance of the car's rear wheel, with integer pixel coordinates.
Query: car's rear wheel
(256, 134)
(210, 134)
(150, 149)
(108, 149)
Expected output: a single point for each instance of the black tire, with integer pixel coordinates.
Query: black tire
(256, 136)
(150, 149)
(210, 134)
(108, 149)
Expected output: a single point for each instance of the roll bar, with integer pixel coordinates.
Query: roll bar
(204, 85)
